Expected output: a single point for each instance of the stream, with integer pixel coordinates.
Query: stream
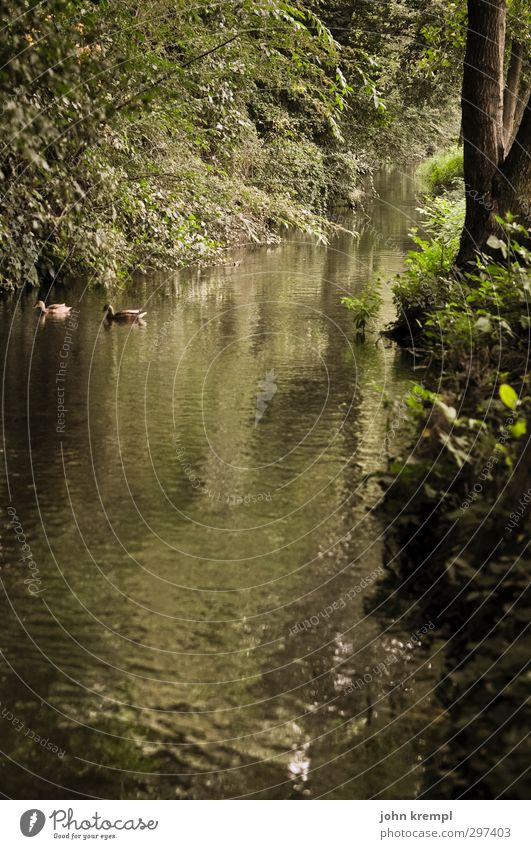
(193, 601)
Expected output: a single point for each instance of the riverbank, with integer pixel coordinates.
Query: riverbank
(456, 500)
(166, 139)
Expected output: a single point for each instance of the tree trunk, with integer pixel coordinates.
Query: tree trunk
(521, 103)
(513, 182)
(482, 109)
(510, 95)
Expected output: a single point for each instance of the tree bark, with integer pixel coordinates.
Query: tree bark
(482, 109)
(510, 95)
(512, 187)
(521, 103)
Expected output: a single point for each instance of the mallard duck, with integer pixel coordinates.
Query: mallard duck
(52, 309)
(122, 315)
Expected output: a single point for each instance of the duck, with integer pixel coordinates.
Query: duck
(122, 315)
(52, 309)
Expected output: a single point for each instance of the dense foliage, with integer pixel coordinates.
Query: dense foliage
(459, 500)
(147, 136)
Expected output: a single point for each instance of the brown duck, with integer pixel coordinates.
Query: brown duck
(52, 309)
(122, 315)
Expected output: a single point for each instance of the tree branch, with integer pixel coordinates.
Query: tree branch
(521, 103)
(510, 94)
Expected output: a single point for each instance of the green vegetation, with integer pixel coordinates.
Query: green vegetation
(365, 306)
(457, 502)
(148, 137)
(454, 493)
(442, 170)
(137, 138)
(426, 283)
(473, 331)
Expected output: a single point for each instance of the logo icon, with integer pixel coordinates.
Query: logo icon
(31, 822)
(268, 389)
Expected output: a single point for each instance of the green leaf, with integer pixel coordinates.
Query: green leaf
(484, 325)
(519, 428)
(497, 244)
(508, 396)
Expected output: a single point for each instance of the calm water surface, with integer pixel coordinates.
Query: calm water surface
(202, 501)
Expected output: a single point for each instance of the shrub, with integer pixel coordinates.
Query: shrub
(442, 172)
(364, 307)
(426, 284)
(489, 315)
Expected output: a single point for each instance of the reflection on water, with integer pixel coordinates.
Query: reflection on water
(200, 522)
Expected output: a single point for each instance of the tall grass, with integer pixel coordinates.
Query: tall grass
(442, 171)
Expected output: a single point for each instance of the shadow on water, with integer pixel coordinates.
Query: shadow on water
(201, 529)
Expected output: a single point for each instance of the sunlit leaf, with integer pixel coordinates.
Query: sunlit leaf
(519, 428)
(508, 396)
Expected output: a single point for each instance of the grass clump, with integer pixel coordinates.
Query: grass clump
(442, 171)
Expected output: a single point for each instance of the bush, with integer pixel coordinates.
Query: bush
(488, 318)
(136, 155)
(442, 172)
(426, 284)
(366, 306)
(294, 167)
(344, 177)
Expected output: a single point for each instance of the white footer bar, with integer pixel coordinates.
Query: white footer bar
(265, 825)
